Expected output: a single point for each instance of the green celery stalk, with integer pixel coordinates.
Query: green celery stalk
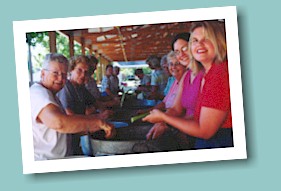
(135, 118)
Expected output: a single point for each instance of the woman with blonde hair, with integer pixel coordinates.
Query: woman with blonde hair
(212, 121)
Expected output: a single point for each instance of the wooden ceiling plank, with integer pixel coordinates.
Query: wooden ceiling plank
(135, 42)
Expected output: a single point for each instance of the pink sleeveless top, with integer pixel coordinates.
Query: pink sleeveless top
(190, 92)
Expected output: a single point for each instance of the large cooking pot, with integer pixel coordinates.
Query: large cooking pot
(132, 140)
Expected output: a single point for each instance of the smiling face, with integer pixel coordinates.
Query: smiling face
(176, 69)
(79, 74)
(54, 76)
(181, 51)
(202, 48)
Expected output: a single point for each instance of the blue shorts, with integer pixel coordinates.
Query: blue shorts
(223, 138)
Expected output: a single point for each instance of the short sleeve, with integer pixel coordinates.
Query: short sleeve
(40, 97)
(66, 98)
(216, 90)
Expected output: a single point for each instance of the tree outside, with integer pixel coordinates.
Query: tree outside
(39, 47)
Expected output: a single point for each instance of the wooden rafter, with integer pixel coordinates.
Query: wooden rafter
(131, 43)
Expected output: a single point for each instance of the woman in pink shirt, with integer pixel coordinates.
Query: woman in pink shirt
(188, 89)
(177, 70)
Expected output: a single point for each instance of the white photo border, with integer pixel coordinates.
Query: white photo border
(229, 14)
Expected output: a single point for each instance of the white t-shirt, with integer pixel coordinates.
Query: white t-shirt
(48, 143)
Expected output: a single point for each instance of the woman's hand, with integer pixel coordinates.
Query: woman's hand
(155, 116)
(156, 131)
(109, 130)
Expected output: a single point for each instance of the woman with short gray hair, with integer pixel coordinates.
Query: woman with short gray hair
(50, 124)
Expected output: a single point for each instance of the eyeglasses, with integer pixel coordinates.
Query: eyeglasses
(174, 64)
(57, 74)
(183, 49)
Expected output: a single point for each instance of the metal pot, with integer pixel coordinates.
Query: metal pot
(132, 139)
